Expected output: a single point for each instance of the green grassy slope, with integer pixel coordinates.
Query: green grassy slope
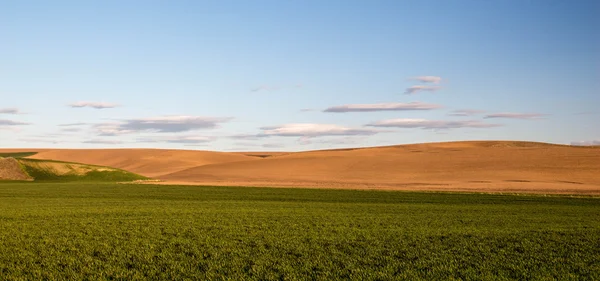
(50, 170)
(77, 231)
(17, 154)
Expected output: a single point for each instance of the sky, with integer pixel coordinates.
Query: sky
(297, 75)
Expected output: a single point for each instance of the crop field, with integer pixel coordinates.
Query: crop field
(99, 231)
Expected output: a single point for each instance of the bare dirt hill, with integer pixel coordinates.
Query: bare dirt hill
(10, 169)
(147, 162)
(468, 166)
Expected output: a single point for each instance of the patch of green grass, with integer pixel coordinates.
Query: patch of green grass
(97, 173)
(59, 231)
(17, 154)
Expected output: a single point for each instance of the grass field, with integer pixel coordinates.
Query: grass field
(91, 231)
(51, 170)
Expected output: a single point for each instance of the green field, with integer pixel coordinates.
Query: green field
(58, 231)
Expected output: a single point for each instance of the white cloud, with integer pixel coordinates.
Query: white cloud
(110, 129)
(430, 124)
(586, 143)
(96, 105)
(466, 112)
(428, 79)
(11, 110)
(382, 107)
(512, 115)
(313, 130)
(421, 88)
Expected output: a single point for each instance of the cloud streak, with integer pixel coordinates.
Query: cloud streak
(512, 115)
(5, 122)
(586, 143)
(313, 130)
(91, 104)
(162, 124)
(466, 112)
(72, 124)
(421, 88)
(178, 139)
(427, 79)
(382, 107)
(100, 141)
(11, 110)
(430, 124)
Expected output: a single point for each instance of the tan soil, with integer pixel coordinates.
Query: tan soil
(11, 170)
(476, 166)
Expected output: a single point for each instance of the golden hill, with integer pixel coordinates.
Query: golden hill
(488, 166)
(147, 162)
(467, 166)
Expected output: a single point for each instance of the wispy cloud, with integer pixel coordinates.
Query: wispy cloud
(178, 139)
(172, 124)
(466, 112)
(162, 124)
(427, 79)
(96, 105)
(382, 107)
(586, 143)
(421, 88)
(313, 130)
(272, 145)
(101, 141)
(512, 115)
(307, 110)
(245, 137)
(11, 110)
(5, 122)
(430, 124)
(73, 124)
(343, 140)
(71, 130)
(40, 140)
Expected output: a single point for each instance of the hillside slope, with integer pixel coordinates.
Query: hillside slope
(484, 165)
(10, 169)
(50, 170)
(147, 162)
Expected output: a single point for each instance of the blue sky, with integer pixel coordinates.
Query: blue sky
(297, 75)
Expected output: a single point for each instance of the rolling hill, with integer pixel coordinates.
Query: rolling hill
(489, 166)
